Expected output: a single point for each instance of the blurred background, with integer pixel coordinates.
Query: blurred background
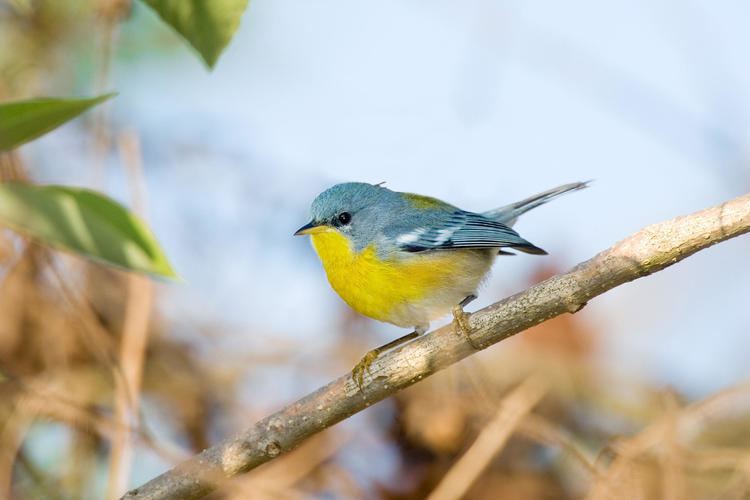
(480, 103)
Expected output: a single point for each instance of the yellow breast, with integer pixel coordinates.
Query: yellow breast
(380, 288)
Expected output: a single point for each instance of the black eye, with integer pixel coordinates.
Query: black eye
(344, 218)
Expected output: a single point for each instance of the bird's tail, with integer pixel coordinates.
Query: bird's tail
(509, 214)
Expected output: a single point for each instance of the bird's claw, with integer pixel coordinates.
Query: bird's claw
(358, 372)
(462, 327)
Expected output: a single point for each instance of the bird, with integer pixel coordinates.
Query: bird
(409, 259)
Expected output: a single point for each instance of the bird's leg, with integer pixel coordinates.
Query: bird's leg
(461, 320)
(358, 372)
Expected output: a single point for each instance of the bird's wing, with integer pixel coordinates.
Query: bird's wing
(461, 229)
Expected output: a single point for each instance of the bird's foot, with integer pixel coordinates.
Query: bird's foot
(359, 370)
(461, 325)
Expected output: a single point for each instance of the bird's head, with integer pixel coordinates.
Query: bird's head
(354, 209)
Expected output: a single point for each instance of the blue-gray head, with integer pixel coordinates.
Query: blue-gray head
(356, 209)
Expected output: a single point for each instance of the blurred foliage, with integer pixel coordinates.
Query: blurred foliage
(42, 44)
(23, 121)
(85, 222)
(82, 221)
(62, 322)
(207, 26)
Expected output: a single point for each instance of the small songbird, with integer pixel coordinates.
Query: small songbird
(408, 259)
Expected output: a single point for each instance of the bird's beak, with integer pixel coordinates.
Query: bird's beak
(311, 227)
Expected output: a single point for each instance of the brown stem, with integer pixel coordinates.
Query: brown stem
(134, 340)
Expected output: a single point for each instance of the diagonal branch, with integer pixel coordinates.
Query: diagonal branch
(467, 469)
(650, 250)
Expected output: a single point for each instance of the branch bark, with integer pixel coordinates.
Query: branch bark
(650, 250)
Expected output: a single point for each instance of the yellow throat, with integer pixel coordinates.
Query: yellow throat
(379, 288)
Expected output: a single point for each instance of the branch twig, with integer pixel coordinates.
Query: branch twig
(650, 250)
(140, 298)
(460, 478)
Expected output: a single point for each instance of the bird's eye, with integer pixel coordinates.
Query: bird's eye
(344, 218)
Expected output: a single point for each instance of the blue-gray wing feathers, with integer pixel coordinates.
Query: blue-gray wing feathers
(446, 226)
(461, 229)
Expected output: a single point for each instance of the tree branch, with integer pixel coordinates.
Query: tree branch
(650, 250)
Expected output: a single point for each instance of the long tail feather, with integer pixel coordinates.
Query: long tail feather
(509, 214)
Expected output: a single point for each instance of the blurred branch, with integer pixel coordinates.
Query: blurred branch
(668, 430)
(650, 250)
(111, 13)
(490, 441)
(544, 432)
(134, 338)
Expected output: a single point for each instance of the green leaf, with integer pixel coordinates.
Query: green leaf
(85, 222)
(207, 25)
(23, 121)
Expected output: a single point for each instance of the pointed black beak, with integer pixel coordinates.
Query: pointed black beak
(307, 228)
